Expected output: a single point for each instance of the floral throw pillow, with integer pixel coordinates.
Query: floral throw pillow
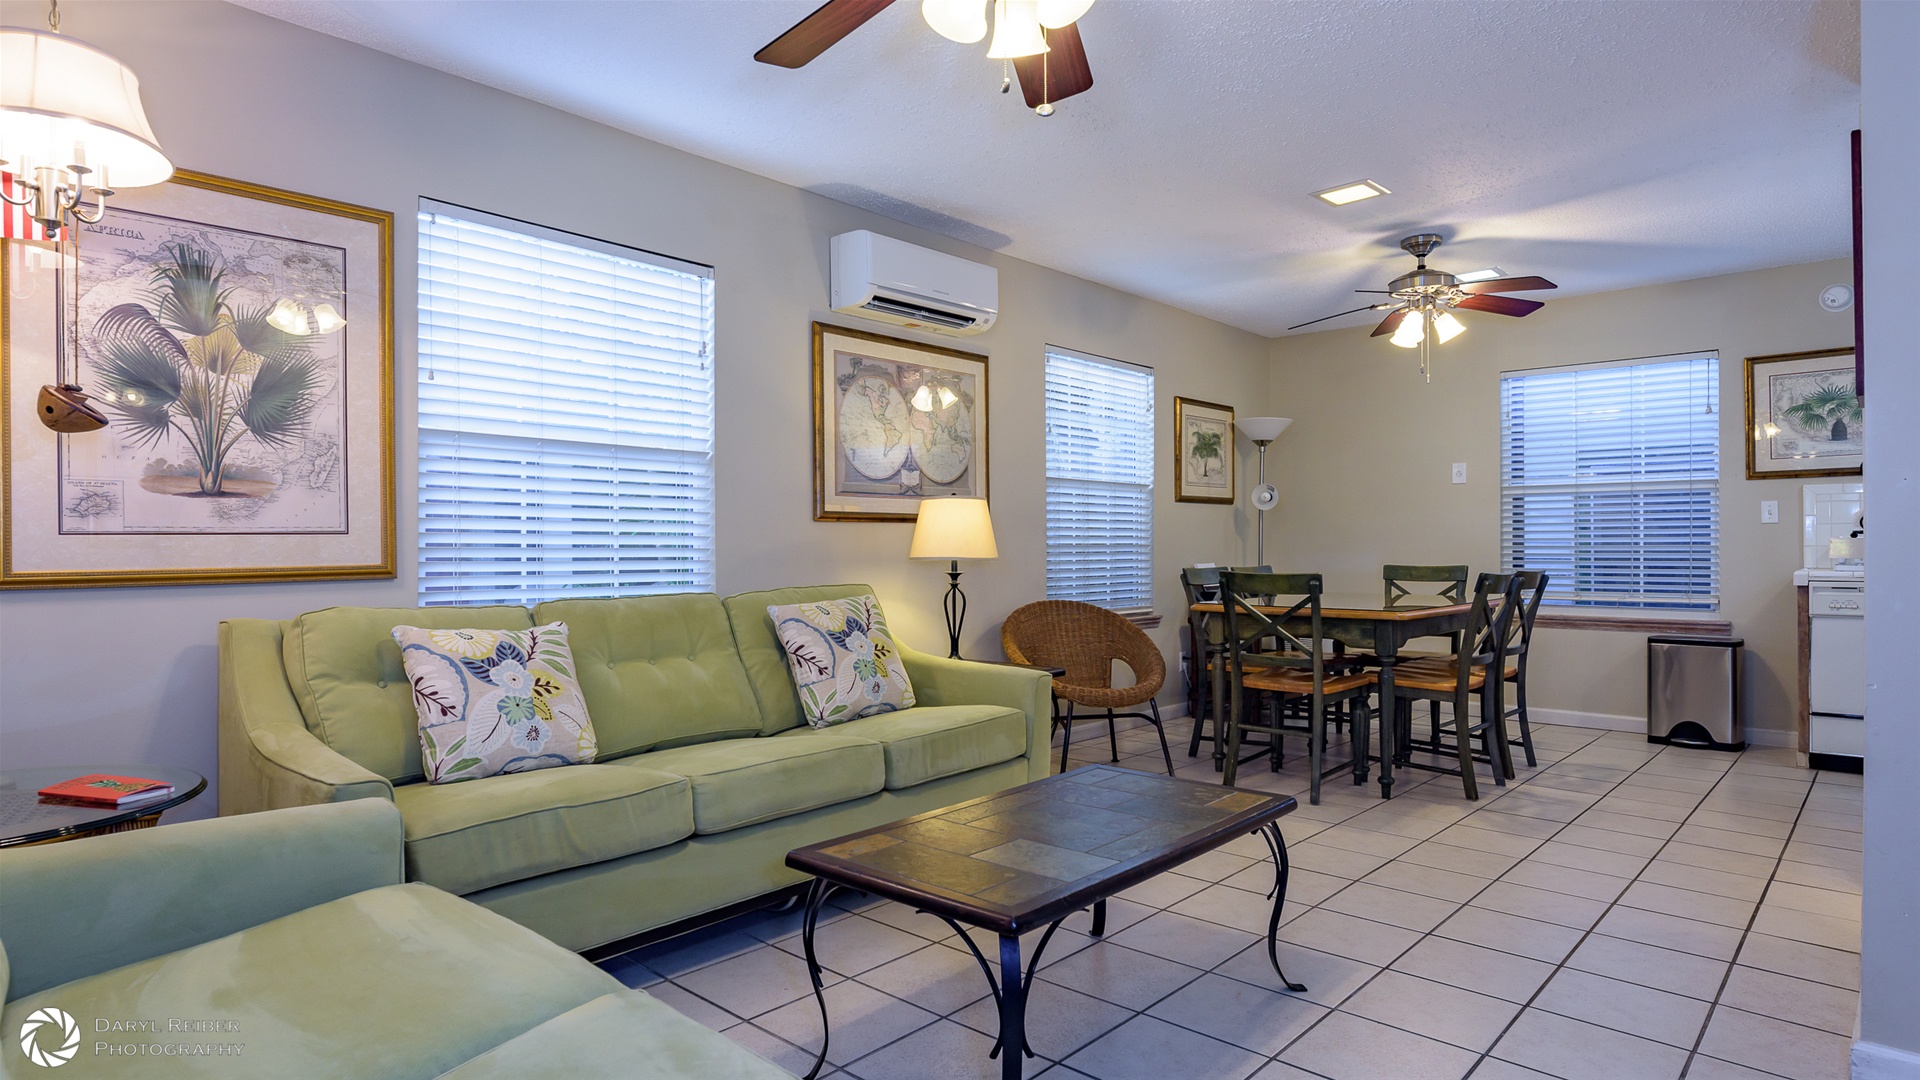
(842, 659)
(495, 701)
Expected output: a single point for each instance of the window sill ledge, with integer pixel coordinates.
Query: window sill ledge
(1145, 620)
(1635, 624)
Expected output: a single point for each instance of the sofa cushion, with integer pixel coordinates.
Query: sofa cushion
(740, 782)
(657, 671)
(760, 652)
(347, 675)
(399, 982)
(842, 659)
(933, 741)
(495, 701)
(467, 836)
(630, 1033)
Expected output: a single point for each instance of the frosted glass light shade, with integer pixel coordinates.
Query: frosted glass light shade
(953, 527)
(1016, 30)
(964, 21)
(1055, 14)
(1262, 428)
(1413, 329)
(1446, 327)
(64, 102)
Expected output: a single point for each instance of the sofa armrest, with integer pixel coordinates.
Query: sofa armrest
(938, 680)
(268, 758)
(73, 909)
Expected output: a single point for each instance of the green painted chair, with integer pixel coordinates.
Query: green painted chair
(1204, 640)
(1303, 670)
(1476, 672)
(1449, 581)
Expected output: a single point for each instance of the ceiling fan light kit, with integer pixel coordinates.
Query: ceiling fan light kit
(1037, 40)
(1422, 302)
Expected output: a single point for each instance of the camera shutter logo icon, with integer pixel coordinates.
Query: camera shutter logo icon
(59, 1027)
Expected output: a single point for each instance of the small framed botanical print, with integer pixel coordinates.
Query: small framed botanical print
(1803, 417)
(1203, 436)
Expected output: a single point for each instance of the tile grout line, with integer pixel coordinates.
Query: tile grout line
(1611, 905)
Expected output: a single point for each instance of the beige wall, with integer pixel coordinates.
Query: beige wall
(1365, 467)
(127, 675)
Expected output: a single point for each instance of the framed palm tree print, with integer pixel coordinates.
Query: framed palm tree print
(1203, 439)
(239, 340)
(1803, 416)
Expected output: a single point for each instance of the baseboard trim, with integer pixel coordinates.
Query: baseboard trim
(1873, 1061)
(1575, 718)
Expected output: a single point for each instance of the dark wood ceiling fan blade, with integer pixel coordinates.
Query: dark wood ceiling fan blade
(1500, 305)
(1510, 284)
(1389, 324)
(819, 32)
(1059, 73)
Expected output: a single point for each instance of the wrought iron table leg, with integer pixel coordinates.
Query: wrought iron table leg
(1099, 917)
(817, 894)
(1278, 845)
(1013, 1006)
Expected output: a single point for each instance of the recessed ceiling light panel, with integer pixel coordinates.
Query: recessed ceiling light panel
(1487, 274)
(1350, 193)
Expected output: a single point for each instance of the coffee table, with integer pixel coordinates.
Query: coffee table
(26, 819)
(1028, 857)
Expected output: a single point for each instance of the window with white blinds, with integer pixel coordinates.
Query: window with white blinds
(1610, 481)
(566, 415)
(1099, 482)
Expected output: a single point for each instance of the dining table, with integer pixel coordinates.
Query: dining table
(1361, 622)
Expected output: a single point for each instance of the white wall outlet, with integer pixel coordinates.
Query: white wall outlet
(1459, 472)
(1770, 512)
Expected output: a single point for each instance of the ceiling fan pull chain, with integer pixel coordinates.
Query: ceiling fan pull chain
(1006, 75)
(1045, 108)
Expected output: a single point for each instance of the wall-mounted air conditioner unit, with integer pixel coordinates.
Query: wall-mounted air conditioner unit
(878, 277)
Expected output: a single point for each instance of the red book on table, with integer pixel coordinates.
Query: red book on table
(101, 789)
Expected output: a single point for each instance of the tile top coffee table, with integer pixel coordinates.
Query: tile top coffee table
(1028, 857)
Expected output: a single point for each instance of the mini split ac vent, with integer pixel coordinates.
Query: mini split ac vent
(878, 277)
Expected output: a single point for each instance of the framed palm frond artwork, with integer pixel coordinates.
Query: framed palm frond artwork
(1203, 443)
(1803, 416)
(239, 339)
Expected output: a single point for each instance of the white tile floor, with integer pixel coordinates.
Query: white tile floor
(1622, 911)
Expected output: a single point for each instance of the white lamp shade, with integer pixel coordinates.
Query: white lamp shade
(953, 527)
(1016, 30)
(1262, 428)
(964, 21)
(64, 102)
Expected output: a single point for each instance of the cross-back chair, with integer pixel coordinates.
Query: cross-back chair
(1205, 638)
(1476, 671)
(1299, 669)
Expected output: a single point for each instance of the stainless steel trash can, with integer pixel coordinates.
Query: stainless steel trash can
(1694, 692)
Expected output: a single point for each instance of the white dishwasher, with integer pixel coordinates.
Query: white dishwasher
(1837, 675)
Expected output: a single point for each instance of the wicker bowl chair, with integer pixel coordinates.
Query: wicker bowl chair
(1086, 640)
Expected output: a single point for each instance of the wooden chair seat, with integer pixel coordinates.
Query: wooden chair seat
(1441, 680)
(1300, 681)
(1428, 665)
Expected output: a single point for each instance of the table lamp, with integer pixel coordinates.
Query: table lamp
(953, 527)
(1262, 430)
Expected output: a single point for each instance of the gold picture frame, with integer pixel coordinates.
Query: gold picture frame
(934, 399)
(1202, 436)
(312, 501)
(1801, 409)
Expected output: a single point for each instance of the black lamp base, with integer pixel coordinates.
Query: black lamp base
(956, 607)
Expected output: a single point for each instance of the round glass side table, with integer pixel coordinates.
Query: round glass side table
(25, 818)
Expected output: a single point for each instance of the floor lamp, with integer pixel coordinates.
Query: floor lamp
(953, 527)
(1262, 430)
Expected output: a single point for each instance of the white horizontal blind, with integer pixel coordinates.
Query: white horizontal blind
(1610, 481)
(566, 416)
(1099, 482)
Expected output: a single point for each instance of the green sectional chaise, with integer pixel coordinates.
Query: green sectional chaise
(706, 777)
(288, 944)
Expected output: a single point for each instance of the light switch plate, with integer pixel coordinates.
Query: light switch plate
(1459, 472)
(1770, 512)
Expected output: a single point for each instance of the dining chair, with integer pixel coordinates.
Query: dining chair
(1204, 639)
(1449, 581)
(1297, 670)
(1477, 671)
(1085, 640)
(1533, 586)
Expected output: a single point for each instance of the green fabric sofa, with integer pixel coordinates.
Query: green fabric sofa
(706, 777)
(290, 945)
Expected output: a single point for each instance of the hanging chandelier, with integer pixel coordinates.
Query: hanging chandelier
(71, 128)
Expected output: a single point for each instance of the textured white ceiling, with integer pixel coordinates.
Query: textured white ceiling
(1600, 144)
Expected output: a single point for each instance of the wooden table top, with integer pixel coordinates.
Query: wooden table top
(1363, 606)
(1023, 858)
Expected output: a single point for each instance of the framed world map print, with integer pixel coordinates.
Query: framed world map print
(239, 339)
(894, 422)
(1803, 417)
